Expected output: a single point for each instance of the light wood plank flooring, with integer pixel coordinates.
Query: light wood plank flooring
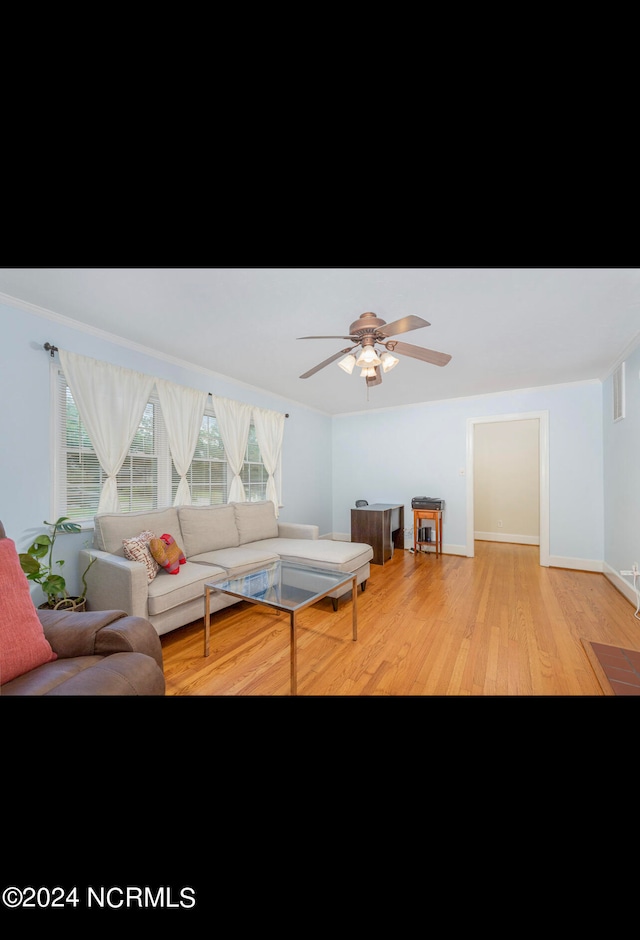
(497, 624)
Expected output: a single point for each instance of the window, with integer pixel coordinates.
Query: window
(209, 476)
(254, 475)
(148, 478)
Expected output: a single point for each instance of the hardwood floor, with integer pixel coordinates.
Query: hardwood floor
(497, 625)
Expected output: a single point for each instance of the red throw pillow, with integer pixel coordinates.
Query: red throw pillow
(23, 645)
(167, 553)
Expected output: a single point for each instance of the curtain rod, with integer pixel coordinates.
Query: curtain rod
(286, 413)
(54, 349)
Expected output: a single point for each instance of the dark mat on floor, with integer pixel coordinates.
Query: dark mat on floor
(617, 669)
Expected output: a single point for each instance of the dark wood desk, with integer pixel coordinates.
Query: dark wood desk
(381, 526)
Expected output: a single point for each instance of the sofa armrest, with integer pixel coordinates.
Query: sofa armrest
(115, 583)
(99, 633)
(297, 530)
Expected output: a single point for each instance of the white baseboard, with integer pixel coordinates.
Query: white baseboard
(447, 548)
(576, 564)
(408, 543)
(622, 584)
(504, 537)
(555, 561)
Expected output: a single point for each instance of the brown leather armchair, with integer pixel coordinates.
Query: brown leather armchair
(99, 652)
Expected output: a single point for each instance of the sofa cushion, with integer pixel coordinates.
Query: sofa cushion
(237, 560)
(129, 673)
(330, 554)
(206, 528)
(23, 645)
(42, 680)
(167, 592)
(111, 528)
(137, 549)
(256, 521)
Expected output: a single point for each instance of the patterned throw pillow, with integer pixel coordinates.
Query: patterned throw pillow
(137, 549)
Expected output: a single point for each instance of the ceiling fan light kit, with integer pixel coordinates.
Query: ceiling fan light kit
(366, 332)
(368, 357)
(388, 361)
(348, 363)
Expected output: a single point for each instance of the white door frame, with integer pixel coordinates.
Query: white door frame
(543, 449)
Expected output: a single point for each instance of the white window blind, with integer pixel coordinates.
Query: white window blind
(207, 476)
(254, 474)
(143, 481)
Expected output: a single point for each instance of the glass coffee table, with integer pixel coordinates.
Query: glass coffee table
(284, 586)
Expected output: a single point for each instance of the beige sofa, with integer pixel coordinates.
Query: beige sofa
(231, 538)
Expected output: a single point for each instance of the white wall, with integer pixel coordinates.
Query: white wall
(391, 456)
(621, 489)
(25, 446)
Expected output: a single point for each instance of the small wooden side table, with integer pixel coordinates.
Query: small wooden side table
(436, 516)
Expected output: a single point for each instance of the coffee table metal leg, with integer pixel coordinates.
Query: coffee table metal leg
(354, 612)
(294, 655)
(207, 619)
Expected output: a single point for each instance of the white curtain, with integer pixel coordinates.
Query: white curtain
(234, 419)
(182, 410)
(269, 433)
(110, 401)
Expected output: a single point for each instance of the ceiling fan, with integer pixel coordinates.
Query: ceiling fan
(368, 330)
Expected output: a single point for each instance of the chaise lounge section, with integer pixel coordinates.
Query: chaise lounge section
(215, 540)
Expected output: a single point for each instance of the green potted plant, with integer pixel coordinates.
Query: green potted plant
(37, 563)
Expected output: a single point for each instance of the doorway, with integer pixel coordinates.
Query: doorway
(543, 476)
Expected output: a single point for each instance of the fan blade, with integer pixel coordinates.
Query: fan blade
(354, 338)
(418, 352)
(403, 326)
(326, 362)
(376, 379)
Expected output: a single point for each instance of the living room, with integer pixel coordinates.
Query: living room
(384, 454)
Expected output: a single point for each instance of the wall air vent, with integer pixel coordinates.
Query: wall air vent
(618, 393)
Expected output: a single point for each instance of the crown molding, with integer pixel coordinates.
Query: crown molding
(138, 347)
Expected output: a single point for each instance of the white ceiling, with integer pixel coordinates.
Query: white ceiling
(505, 328)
